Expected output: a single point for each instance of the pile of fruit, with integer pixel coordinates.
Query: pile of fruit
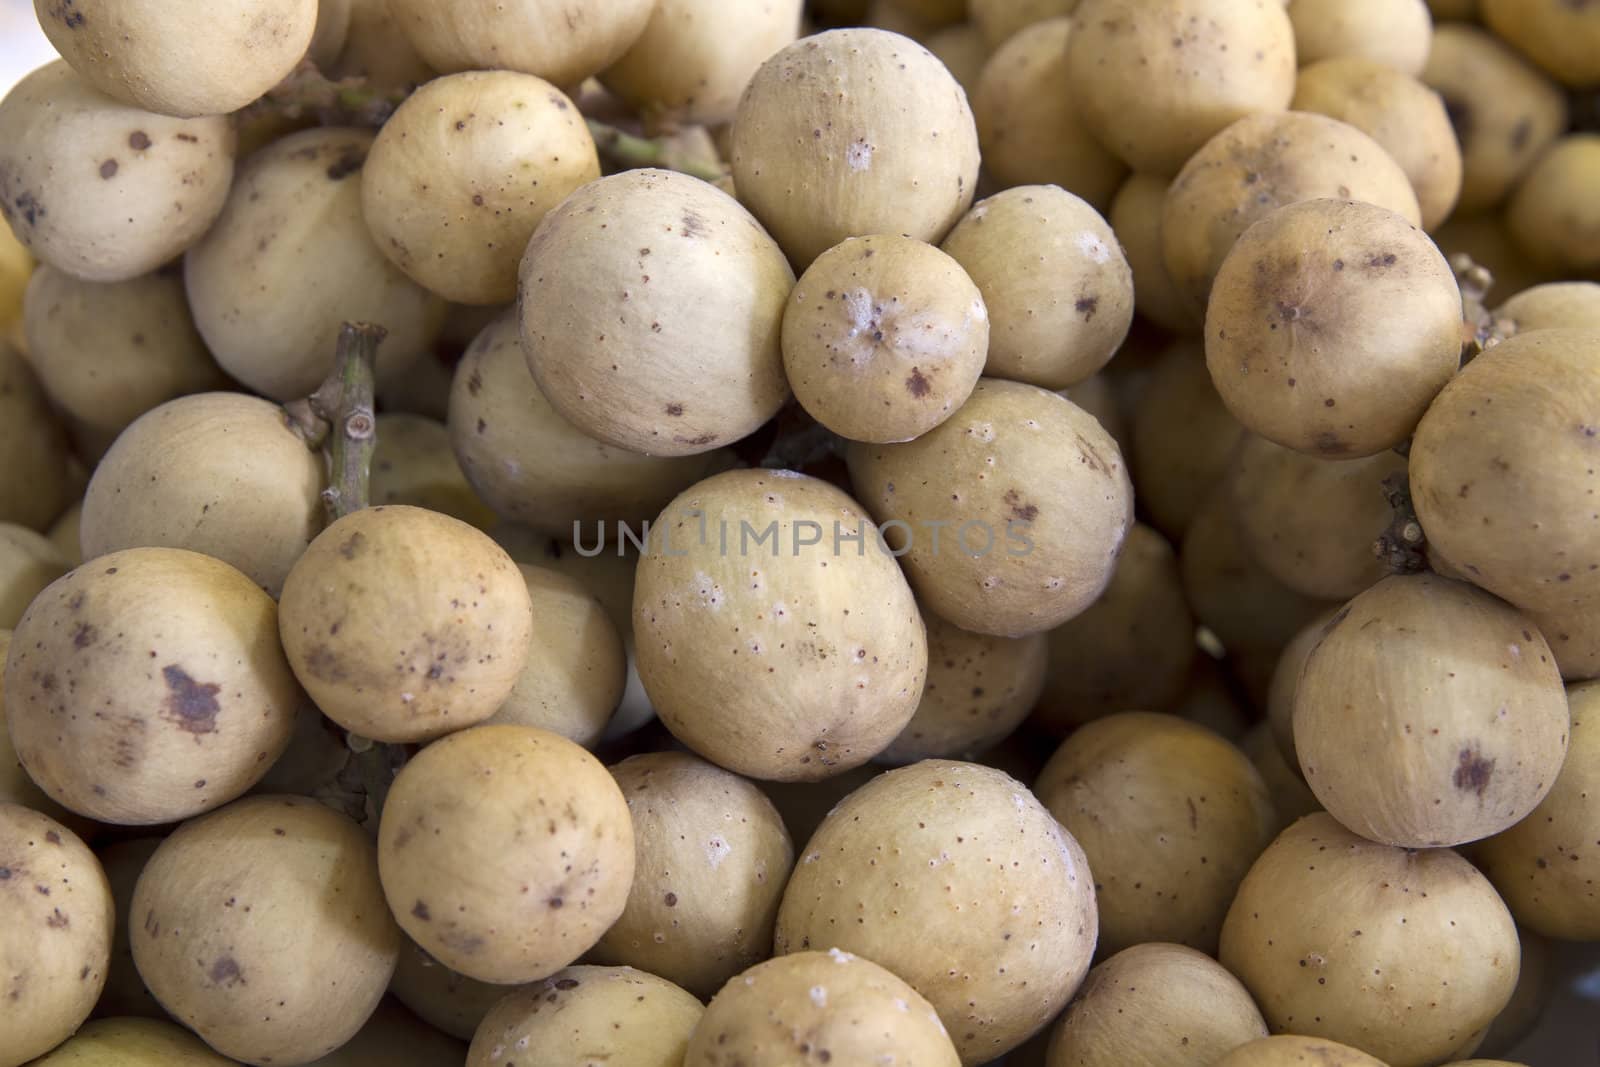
(673, 533)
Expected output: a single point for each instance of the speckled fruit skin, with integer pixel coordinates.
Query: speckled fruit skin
(1155, 1004)
(823, 1007)
(792, 658)
(1197, 802)
(262, 927)
(120, 1042)
(546, 827)
(1430, 714)
(563, 41)
(1040, 490)
(1321, 277)
(56, 918)
(1289, 1051)
(148, 686)
(1324, 912)
(963, 857)
(1545, 866)
(105, 191)
(852, 132)
(667, 345)
(404, 624)
(711, 860)
(176, 60)
(589, 1015)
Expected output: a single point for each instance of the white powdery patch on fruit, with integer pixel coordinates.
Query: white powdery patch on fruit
(819, 996)
(859, 155)
(838, 956)
(709, 592)
(1092, 246)
(717, 850)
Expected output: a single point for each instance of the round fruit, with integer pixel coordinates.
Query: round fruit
(1031, 498)
(1155, 1003)
(15, 785)
(768, 642)
(1552, 214)
(1289, 1051)
(1058, 288)
(851, 132)
(291, 260)
(1404, 954)
(1132, 648)
(1544, 866)
(460, 177)
(1136, 219)
(548, 38)
(1562, 37)
(101, 190)
(532, 466)
(1184, 439)
(217, 473)
(847, 1009)
(404, 624)
(979, 690)
(961, 47)
(883, 338)
(589, 1015)
(1404, 116)
(1154, 80)
(979, 868)
(1028, 125)
(121, 1042)
(999, 19)
(1258, 165)
(1195, 802)
(395, 1036)
(669, 344)
(447, 1001)
(28, 563)
(36, 484)
(262, 928)
(1332, 326)
(125, 993)
(177, 655)
(1501, 471)
(506, 852)
(1286, 683)
(1396, 34)
(176, 60)
(711, 860)
(56, 919)
(412, 464)
(1291, 798)
(1554, 305)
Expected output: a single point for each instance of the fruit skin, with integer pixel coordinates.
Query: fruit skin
(788, 655)
(177, 655)
(1321, 910)
(1135, 218)
(449, 1002)
(1184, 439)
(999, 947)
(1544, 865)
(562, 41)
(1552, 214)
(101, 190)
(883, 141)
(404, 624)
(175, 60)
(849, 1009)
(1430, 714)
(1033, 483)
(1153, 81)
(1333, 276)
(1563, 38)
(28, 563)
(1396, 33)
(667, 345)
(262, 927)
(55, 946)
(122, 1042)
(477, 817)
(999, 19)
(590, 1014)
(395, 1036)
(1290, 1051)
(1554, 305)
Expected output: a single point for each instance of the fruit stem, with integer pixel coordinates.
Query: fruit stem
(1481, 329)
(1403, 546)
(345, 403)
(628, 151)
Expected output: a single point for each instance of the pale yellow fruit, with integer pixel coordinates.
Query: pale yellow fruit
(1505, 110)
(412, 464)
(102, 190)
(589, 1015)
(1535, 982)
(15, 785)
(542, 833)
(979, 868)
(1291, 798)
(695, 57)
(1053, 277)
(1333, 276)
(999, 19)
(123, 1042)
(28, 563)
(884, 338)
(1323, 909)
(1153, 81)
(668, 344)
(64, 532)
(452, 1003)
(176, 59)
(262, 928)
(1396, 33)
(16, 266)
(1032, 500)
(56, 919)
(1399, 112)
(562, 41)
(1290, 1051)
(1135, 217)
(1098, 395)
(963, 49)
(1561, 36)
(462, 174)
(1286, 682)
(177, 654)
(1552, 215)
(1554, 305)
(377, 49)
(1184, 439)
(1028, 124)
(125, 993)
(1194, 800)
(404, 624)
(768, 643)
(851, 132)
(393, 1037)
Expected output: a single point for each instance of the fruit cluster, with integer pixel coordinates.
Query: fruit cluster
(667, 533)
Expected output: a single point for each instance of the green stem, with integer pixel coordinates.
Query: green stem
(345, 402)
(627, 150)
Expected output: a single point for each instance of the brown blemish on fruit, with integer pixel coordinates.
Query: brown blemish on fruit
(108, 169)
(83, 635)
(918, 385)
(350, 160)
(1087, 306)
(693, 225)
(1327, 442)
(1473, 771)
(138, 140)
(225, 971)
(1019, 509)
(566, 983)
(352, 545)
(323, 664)
(675, 410)
(57, 921)
(420, 910)
(474, 383)
(190, 704)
